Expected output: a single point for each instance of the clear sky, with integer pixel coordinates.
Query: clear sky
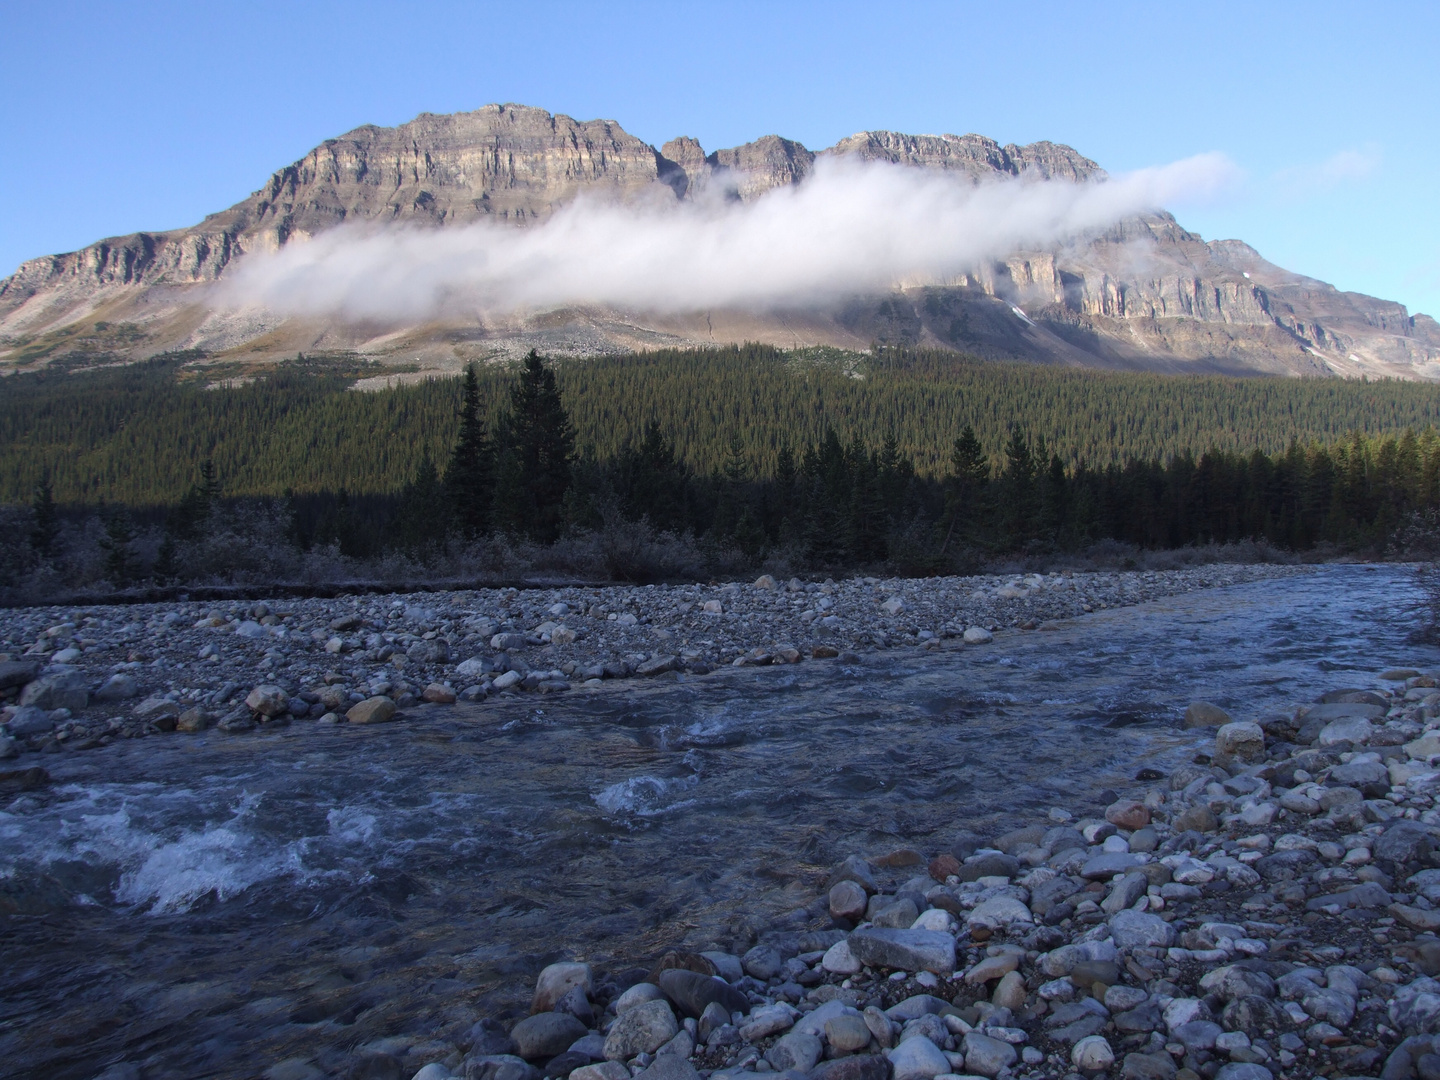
(122, 117)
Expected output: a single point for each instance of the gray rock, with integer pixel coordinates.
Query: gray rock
(17, 673)
(1124, 893)
(507, 642)
(641, 1030)
(1105, 866)
(118, 687)
(58, 690)
(727, 966)
(267, 700)
(920, 1059)
(1244, 1070)
(1148, 1067)
(692, 992)
(1234, 981)
(763, 962)
(991, 864)
(987, 1056)
(1331, 1006)
(669, 1067)
(898, 915)
(29, 720)
(555, 981)
(1092, 1054)
(862, 1067)
(1344, 710)
(1403, 842)
(855, 869)
(796, 1050)
(847, 1033)
(905, 950)
(1140, 929)
(916, 1006)
(1367, 895)
(658, 666)
(713, 1018)
(637, 995)
(1197, 1035)
(498, 1067)
(545, 1035)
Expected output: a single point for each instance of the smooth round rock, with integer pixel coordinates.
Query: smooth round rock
(848, 900)
(545, 1035)
(641, 1030)
(1092, 1054)
(375, 710)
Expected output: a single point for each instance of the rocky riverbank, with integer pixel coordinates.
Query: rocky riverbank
(79, 678)
(1269, 910)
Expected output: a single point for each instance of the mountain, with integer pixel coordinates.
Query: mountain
(1145, 294)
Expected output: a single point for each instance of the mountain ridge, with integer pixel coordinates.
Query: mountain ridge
(1184, 305)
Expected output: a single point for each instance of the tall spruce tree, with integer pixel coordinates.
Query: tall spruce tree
(534, 447)
(47, 523)
(470, 477)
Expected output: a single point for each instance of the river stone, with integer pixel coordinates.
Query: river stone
(267, 700)
(28, 720)
(1092, 1054)
(555, 981)
(763, 962)
(1354, 729)
(767, 1020)
(918, 1058)
(17, 673)
(1128, 814)
(507, 642)
(860, 1067)
(991, 864)
(847, 1033)
(1105, 866)
(1244, 1070)
(669, 1067)
(375, 710)
(1140, 929)
(915, 1006)
(978, 635)
(658, 666)
(902, 913)
(488, 1067)
(603, 1070)
(839, 960)
(1332, 711)
(1197, 819)
(1010, 992)
(637, 995)
(905, 950)
(692, 991)
(117, 687)
(1203, 714)
(1242, 742)
(1403, 842)
(727, 965)
(855, 869)
(1233, 981)
(796, 1050)
(987, 1056)
(999, 912)
(192, 720)
(1124, 893)
(848, 901)
(641, 1030)
(66, 689)
(545, 1035)
(1144, 1067)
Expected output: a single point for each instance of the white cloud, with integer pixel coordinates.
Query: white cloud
(850, 227)
(1341, 167)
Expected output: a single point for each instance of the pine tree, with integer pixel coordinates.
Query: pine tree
(534, 446)
(470, 477)
(47, 524)
(966, 490)
(422, 516)
(120, 566)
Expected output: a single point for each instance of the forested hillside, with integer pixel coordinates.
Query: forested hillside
(137, 434)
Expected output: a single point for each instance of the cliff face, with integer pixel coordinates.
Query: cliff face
(1144, 294)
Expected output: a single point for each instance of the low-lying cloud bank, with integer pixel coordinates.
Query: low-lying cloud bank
(850, 227)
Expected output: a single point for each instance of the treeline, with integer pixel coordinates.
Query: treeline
(830, 503)
(135, 434)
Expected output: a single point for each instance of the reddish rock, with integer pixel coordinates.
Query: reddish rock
(1128, 814)
(942, 866)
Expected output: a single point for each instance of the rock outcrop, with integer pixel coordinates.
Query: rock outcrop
(1145, 294)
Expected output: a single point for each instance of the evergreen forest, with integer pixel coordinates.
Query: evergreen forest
(910, 460)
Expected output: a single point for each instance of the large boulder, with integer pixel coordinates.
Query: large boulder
(58, 689)
(555, 981)
(545, 1035)
(374, 710)
(692, 991)
(641, 1030)
(904, 950)
(267, 700)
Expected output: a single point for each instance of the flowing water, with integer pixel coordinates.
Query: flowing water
(209, 905)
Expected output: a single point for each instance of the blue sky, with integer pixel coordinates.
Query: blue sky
(118, 118)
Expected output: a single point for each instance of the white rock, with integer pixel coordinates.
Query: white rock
(999, 911)
(840, 960)
(1093, 1054)
(978, 635)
